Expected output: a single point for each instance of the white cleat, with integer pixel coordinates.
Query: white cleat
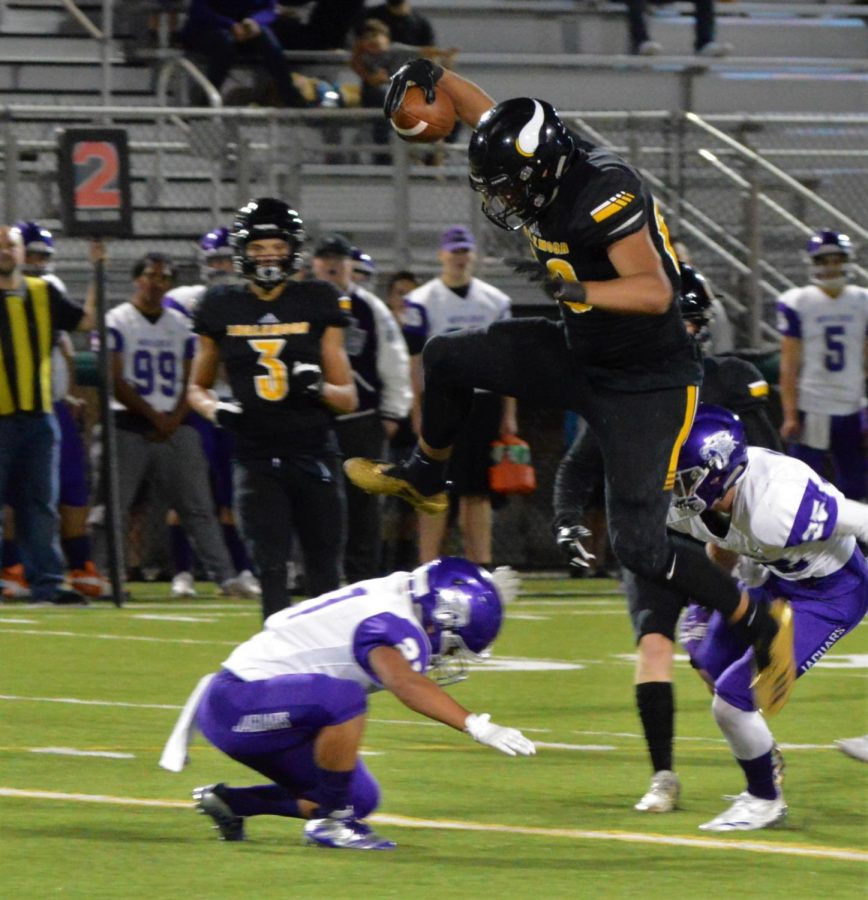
(250, 583)
(856, 747)
(182, 585)
(663, 794)
(238, 587)
(749, 813)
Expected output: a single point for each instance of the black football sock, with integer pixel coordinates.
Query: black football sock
(428, 475)
(261, 800)
(655, 701)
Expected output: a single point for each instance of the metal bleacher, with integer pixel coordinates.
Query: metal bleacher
(190, 170)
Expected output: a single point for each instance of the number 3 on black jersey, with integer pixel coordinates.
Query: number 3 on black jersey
(274, 385)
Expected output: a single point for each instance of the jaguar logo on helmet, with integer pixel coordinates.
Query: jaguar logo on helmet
(717, 449)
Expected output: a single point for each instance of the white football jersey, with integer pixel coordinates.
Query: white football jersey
(153, 353)
(832, 332)
(783, 516)
(185, 299)
(333, 634)
(433, 308)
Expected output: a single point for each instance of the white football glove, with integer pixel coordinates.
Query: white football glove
(507, 582)
(508, 740)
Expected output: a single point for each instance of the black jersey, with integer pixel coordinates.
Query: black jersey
(259, 341)
(738, 386)
(601, 200)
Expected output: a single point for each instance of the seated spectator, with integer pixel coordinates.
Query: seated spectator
(325, 27)
(704, 43)
(405, 25)
(374, 59)
(224, 30)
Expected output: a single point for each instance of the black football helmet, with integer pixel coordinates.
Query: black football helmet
(261, 219)
(518, 153)
(695, 302)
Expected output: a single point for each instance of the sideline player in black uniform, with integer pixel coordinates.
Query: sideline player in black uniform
(282, 344)
(620, 356)
(654, 609)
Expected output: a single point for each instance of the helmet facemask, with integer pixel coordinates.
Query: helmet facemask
(267, 219)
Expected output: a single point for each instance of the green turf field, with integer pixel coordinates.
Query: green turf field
(469, 822)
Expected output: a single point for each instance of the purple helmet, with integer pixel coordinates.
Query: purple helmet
(712, 459)
(826, 273)
(36, 239)
(363, 264)
(213, 245)
(458, 605)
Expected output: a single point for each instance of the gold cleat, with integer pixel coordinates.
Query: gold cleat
(773, 685)
(375, 478)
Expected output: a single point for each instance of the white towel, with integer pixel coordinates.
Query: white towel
(174, 756)
(816, 430)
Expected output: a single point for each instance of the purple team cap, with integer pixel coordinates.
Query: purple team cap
(457, 238)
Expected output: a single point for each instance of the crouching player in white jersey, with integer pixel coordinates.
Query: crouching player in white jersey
(773, 510)
(292, 701)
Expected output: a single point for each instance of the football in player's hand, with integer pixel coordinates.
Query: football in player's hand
(420, 122)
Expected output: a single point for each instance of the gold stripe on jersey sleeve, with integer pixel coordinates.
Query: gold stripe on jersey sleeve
(686, 425)
(758, 388)
(612, 205)
(39, 296)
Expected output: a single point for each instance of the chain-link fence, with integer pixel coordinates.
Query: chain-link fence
(191, 168)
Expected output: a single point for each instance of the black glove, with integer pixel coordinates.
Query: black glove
(569, 538)
(305, 379)
(554, 285)
(228, 414)
(420, 72)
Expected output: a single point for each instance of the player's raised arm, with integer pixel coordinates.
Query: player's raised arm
(469, 99)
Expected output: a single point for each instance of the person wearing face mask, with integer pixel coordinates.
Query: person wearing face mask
(281, 342)
(824, 343)
(381, 369)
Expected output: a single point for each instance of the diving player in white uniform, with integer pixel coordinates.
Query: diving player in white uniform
(291, 702)
(801, 531)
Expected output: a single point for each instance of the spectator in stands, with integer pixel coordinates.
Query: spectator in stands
(456, 301)
(381, 369)
(375, 58)
(31, 310)
(704, 43)
(151, 350)
(405, 25)
(224, 30)
(325, 26)
(214, 255)
(282, 342)
(824, 345)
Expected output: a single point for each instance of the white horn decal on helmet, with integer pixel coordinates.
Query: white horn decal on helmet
(528, 138)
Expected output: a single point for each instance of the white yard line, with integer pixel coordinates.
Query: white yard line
(576, 834)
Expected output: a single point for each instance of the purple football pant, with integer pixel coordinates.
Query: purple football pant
(73, 460)
(824, 610)
(270, 726)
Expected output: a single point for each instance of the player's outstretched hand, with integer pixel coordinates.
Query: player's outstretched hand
(569, 538)
(508, 740)
(419, 72)
(508, 583)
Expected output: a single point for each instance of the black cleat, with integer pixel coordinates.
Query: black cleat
(377, 477)
(210, 802)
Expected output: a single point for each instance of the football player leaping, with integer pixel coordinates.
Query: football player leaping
(619, 356)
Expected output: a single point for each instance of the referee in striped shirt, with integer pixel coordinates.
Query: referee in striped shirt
(31, 313)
